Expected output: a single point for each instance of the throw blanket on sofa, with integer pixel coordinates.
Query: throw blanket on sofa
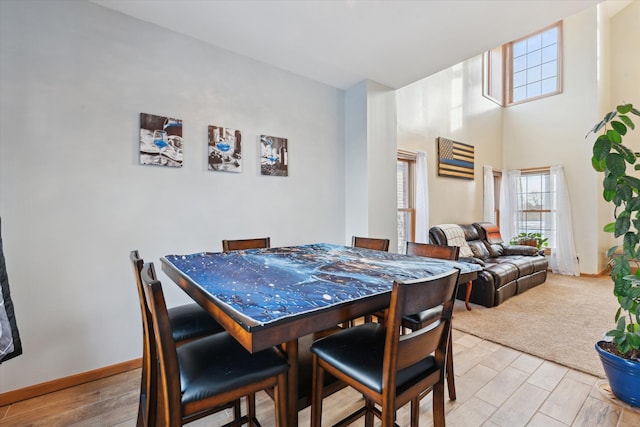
(455, 237)
(10, 345)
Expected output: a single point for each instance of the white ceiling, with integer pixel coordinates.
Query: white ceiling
(342, 42)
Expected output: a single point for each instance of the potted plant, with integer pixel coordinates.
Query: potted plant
(620, 353)
(530, 239)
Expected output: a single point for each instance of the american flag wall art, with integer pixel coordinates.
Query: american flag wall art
(455, 159)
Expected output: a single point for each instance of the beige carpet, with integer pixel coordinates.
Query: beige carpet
(559, 320)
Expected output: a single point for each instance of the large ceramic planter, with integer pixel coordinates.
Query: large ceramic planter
(623, 376)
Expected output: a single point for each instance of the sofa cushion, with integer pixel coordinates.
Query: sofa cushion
(479, 249)
(495, 250)
(540, 263)
(471, 232)
(502, 272)
(523, 263)
(527, 282)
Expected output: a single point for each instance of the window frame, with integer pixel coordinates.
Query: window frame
(410, 159)
(497, 79)
(497, 184)
(550, 209)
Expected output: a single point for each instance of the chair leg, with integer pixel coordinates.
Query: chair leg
(251, 409)
(281, 400)
(451, 382)
(415, 412)
(438, 405)
(368, 415)
(237, 413)
(316, 393)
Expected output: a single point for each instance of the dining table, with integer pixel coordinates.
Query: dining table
(283, 295)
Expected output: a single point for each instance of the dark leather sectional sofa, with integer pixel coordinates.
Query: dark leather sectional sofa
(508, 269)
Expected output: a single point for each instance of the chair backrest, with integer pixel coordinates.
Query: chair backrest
(370, 243)
(433, 251)
(137, 264)
(411, 297)
(168, 388)
(237, 245)
(148, 386)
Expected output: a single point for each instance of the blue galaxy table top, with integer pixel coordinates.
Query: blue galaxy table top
(267, 285)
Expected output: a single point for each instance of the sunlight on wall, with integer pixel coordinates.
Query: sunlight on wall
(456, 112)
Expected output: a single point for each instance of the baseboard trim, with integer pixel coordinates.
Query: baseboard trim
(601, 274)
(66, 382)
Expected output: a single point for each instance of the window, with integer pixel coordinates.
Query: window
(524, 69)
(536, 213)
(497, 182)
(406, 200)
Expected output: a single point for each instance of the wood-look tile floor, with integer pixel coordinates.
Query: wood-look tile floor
(496, 386)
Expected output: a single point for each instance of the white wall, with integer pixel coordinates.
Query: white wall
(625, 60)
(619, 83)
(74, 201)
(355, 162)
(551, 131)
(370, 162)
(450, 104)
(381, 157)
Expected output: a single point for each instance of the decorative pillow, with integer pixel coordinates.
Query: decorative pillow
(495, 250)
(455, 237)
(479, 249)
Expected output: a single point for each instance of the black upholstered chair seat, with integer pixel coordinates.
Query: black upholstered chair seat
(218, 363)
(191, 321)
(359, 352)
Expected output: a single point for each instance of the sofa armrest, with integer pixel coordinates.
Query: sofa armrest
(520, 250)
(437, 236)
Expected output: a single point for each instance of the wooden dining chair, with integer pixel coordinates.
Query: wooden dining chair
(387, 368)
(367, 243)
(433, 251)
(237, 245)
(370, 243)
(204, 375)
(420, 320)
(188, 322)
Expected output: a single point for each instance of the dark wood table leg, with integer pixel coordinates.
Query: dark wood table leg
(466, 300)
(291, 348)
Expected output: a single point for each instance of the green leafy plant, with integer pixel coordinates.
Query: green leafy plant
(614, 159)
(523, 238)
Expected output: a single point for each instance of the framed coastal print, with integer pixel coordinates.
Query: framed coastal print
(225, 149)
(274, 156)
(160, 141)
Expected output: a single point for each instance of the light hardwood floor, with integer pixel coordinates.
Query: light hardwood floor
(496, 386)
